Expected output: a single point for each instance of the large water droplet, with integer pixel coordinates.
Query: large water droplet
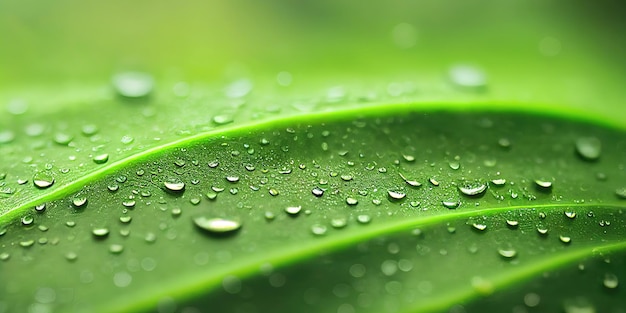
(174, 186)
(589, 148)
(508, 253)
(472, 188)
(610, 281)
(468, 77)
(395, 195)
(100, 232)
(133, 84)
(101, 158)
(217, 226)
(451, 204)
(43, 180)
(293, 210)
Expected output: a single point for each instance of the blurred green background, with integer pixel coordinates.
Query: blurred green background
(537, 50)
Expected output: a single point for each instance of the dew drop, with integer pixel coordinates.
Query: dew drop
(468, 77)
(100, 232)
(589, 148)
(4, 256)
(352, 201)
(338, 223)
(479, 226)
(451, 204)
(293, 210)
(433, 182)
(498, 181)
(512, 223)
(565, 239)
(273, 192)
(396, 195)
(27, 243)
(507, 253)
(410, 182)
(217, 226)
(571, 215)
(89, 130)
(317, 191)
(363, 219)
(27, 220)
(318, 229)
(101, 158)
(129, 203)
(222, 119)
(71, 256)
(544, 184)
(43, 180)
(610, 281)
(472, 188)
(6, 136)
(621, 192)
(40, 208)
(133, 84)
(79, 202)
(174, 186)
(542, 231)
(125, 219)
(116, 248)
(63, 138)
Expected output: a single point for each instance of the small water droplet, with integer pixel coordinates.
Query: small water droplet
(222, 119)
(352, 201)
(542, 230)
(621, 192)
(410, 182)
(544, 184)
(116, 248)
(454, 165)
(79, 201)
(177, 212)
(27, 220)
(364, 219)
(232, 179)
(217, 226)
(479, 226)
(101, 158)
(610, 281)
(89, 130)
(71, 256)
(6, 136)
(317, 191)
(498, 181)
(63, 138)
(433, 182)
(339, 222)
(133, 84)
(471, 189)
(395, 195)
(43, 180)
(512, 223)
(589, 148)
(570, 214)
(508, 253)
(468, 77)
(27, 243)
(127, 140)
(174, 186)
(4, 256)
(318, 229)
(293, 210)
(40, 208)
(100, 232)
(273, 192)
(125, 219)
(451, 204)
(269, 215)
(565, 239)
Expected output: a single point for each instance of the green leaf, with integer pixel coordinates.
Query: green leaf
(451, 158)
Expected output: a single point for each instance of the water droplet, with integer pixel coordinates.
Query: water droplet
(589, 148)
(498, 181)
(43, 180)
(239, 88)
(317, 191)
(352, 201)
(472, 188)
(512, 223)
(542, 231)
(4, 256)
(133, 84)
(116, 248)
(532, 299)
(508, 253)
(70, 223)
(410, 182)
(6, 136)
(273, 192)
(339, 222)
(610, 281)
(174, 186)
(396, 195)
(293, 210)
(451, 204)
(479, 226)
(27, 220)
(125, 219)
(63, 138)
(433, 182)
(217, 226)
(364, 219)
(101, 158)
(100, 232)
(570, 214)
(71, 256)
(177, 212)
(454, 165)
(89, 130)
(408, 158)
(27, 243)
(544, 184)
(232, 179)
(40, 208)
(565, 239)
(269, 215)
(222, 119)
(127, 140)
(79, 202)
(318, 229)
(468, 77)
(621, 192)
